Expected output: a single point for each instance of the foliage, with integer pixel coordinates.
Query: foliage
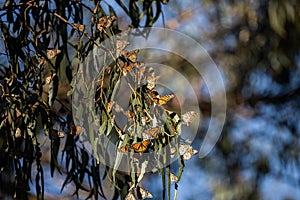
(44, 43)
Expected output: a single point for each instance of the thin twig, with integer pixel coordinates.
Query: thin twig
(72, 25)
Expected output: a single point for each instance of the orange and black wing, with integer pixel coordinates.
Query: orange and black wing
(124, 149)
(161, 100)
(141, 146)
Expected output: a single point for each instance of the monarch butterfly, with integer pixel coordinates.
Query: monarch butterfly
(51, 53)
(143, 193)
(76, 130)
(18, 133)
(121, 45)
(49, 78)
(60, 134)
(124, 149)
(141, 146)
(183, 148)
(144, 120)
(151, 133)
(188, 117)
(132, 56)
(130, 115)
(192, 151)
(109, 106)
(127, 66)
(138, 147)
(172, 152)
(102, 21)
(138, 64)
(173, 178)
(161, 100)
(79, 27)
(130, 196)
(187, 151)
(106, 22)
(187, 156)
(151, 82)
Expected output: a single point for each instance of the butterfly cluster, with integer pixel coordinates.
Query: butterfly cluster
(149, 127)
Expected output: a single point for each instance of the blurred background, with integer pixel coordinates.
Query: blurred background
(256, 45)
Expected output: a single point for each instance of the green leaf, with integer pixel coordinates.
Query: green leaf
(277, 17)
(55, 144)
(53, 88)
(169, 181)
(103, 123)
(143, 170)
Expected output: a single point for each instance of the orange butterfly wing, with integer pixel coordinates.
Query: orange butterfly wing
(161, 100)
(164, 99)
(132, 56)
(127, 66)
(141, 147)
(124, 149)
(76, 130)
(109, 106)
